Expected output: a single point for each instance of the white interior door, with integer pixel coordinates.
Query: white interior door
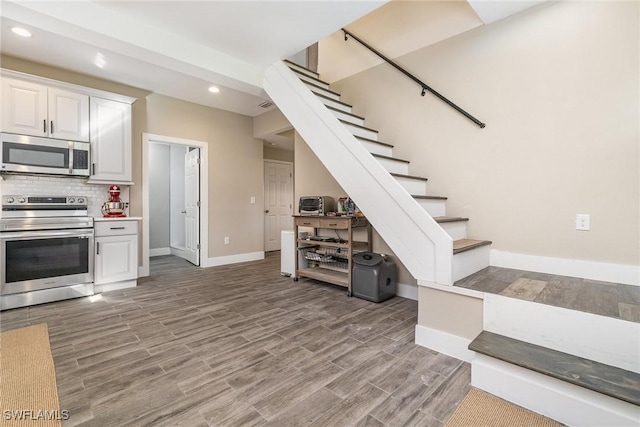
(278, 202)
(192, 206)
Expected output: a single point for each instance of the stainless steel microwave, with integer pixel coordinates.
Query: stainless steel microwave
(316, 205)
(32, 154)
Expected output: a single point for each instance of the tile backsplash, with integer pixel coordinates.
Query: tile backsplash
(32, 185)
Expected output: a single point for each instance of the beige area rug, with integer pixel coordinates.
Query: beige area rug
(28, 391)
(479, 408)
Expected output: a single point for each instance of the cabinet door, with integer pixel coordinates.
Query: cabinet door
(110, 140)
(24, 108)
(116, 259)
(68, 115)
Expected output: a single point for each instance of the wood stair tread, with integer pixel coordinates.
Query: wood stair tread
(428, 197)
(301, 66)
(362, 138)
(358, 126)
(311, 77)
(443, 219)
(399, 175)
(463, 245)
(319, 95)
(344, 112)
(319, 87)
(389, 158)
(596, 376)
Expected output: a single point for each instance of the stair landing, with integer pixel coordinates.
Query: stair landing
(614, 300)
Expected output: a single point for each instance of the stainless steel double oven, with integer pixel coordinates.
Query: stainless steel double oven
(46, 250)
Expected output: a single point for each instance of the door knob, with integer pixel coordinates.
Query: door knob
(184, 212)
(266, 211)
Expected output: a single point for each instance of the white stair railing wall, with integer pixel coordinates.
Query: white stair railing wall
(424, 248)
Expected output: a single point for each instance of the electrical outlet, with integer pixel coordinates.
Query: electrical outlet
(226, 240)
(583, 222)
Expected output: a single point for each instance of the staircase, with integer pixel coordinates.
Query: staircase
(436, 246)
(577, 368)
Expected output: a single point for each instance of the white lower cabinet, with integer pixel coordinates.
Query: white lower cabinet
(116, 262)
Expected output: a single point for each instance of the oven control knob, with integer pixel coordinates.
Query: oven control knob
(80, 200)
(10, 200)
(21, 200)
(71, 200)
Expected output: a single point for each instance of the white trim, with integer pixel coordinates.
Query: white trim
(177, 251)
(204, 194)
(159, 252)
(452, 289)
(407, 291)
(606, 272)
(108, 287)
(232, 259)
(442, 342)
(567, 403)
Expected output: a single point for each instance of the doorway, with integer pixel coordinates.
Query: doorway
(175, 192)
(278, 202)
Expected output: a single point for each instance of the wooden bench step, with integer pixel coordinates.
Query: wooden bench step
(601, 378)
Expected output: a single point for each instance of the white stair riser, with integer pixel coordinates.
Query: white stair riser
(468, 262)
(374, 148)
(334, 104)
(606, 340)
(326, 93)
(365, 133)
(394, 166)
(457, 230)
(435, 207)
(300, 70)
(308, 79)
(567, 403)
(413, 186)
(348, 118)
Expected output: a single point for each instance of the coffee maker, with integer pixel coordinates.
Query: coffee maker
(114, 208)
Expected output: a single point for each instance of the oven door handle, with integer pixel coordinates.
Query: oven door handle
(51, 234)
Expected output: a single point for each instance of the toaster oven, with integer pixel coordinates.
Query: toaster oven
(316, 205)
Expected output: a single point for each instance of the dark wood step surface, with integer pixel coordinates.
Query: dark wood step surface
(362, 138)
(464, 245)
(293, 64)
(316, 79)
(355, 116)
(443, 219)
(319, 95)
(344, 122)
(380, 156)
(417, 178)
(428, 197)
(312, 86)
(605, 379)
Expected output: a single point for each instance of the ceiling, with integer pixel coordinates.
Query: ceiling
(175, 48)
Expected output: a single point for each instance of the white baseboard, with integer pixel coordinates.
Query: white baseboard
(442, 342)
(159, 251)
(606, 272)
(232, 259)
(107, 287)
(407, 291)
(177, 251)
(567, 403)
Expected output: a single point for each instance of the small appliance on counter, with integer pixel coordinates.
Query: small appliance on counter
(316, 205)
(114, 208)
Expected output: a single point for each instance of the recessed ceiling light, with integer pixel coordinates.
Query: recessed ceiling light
(214, 89)
(21, 31)
(100, 61)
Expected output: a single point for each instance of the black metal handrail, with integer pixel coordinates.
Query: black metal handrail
(424, 86)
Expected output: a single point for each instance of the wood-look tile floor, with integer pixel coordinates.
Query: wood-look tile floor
(241, 345)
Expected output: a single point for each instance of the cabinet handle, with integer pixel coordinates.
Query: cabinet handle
(97, 248)
(306, 223)
(51, 126)
(44, 126)
(333, 225)
(93, 168)
(117, 228)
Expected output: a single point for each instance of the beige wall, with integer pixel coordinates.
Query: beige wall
(235, 156)
(277, 154)
(442, 311)
(558, 87)
(313, 179)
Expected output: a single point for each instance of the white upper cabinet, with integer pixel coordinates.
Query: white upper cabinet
(33, 109)
(110, 141)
